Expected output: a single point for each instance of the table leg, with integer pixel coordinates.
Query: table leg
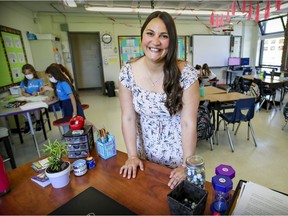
(18, 128)
(33, 133)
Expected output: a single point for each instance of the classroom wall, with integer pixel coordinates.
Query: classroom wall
(15, 17)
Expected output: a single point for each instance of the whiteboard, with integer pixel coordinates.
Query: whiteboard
(211, 49)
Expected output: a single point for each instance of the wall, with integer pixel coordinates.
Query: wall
(23, 20)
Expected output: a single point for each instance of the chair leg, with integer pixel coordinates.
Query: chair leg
(211, 142)
(237, 128)
(284, 124)
(229, 136)
(252, 132)
(9, 151)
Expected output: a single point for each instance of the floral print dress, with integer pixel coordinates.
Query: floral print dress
(159, 137)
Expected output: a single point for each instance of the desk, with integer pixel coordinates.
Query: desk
(209, 91)
(144, 195)
(5, 112)
(273, 83)
(229, 74)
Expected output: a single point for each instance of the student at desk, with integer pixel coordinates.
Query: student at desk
(207, 72)
(31, 86)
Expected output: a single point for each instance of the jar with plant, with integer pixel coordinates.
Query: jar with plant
(58, 170)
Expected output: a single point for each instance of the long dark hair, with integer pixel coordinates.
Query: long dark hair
(172, 73)
(206, 70)
(32, 69)
(55, 70)
(66, 71)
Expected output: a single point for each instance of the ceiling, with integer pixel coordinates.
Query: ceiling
(218, 6)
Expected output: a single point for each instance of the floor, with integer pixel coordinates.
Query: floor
(266, 164)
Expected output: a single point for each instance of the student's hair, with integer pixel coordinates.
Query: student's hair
(55, 70)
(172, 73)
(198, 67)
(206, 70)
(32, 69)
(66, 71)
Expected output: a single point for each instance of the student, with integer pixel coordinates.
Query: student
(65, 91)
(159, 97)
(66, 72)
(207, 72)
(198, 69)
(31, 85)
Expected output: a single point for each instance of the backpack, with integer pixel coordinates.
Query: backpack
(205, 128)
(236, 86)
(285, 111)
(254, 91)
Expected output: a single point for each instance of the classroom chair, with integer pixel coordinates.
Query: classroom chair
(243, 112)
(4, 136)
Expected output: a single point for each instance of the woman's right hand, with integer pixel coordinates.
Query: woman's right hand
(130, 167)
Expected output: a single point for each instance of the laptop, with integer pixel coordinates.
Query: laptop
(92, 202)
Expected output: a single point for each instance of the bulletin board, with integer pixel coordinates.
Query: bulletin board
(12, 56)
(130, 47)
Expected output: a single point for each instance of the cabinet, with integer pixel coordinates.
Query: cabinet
(78, 146)
(46, 52)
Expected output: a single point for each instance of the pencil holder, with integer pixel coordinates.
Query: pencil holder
(106, 149)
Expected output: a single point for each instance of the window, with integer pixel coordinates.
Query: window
(272, 41)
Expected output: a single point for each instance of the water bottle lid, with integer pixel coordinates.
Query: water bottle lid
(222, 183)
(226, 170)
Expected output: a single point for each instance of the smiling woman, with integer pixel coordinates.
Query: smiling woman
(159, 97)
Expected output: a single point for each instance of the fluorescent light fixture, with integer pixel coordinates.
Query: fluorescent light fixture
(148, 11)
(70, 3)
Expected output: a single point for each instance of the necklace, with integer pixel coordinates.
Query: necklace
(156, 81)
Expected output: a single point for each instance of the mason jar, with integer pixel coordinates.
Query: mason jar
(195, 170)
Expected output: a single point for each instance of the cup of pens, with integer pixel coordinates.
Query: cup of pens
(106, 145)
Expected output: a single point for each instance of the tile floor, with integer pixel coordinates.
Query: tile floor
(266, 164)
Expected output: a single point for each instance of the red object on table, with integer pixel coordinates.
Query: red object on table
(76, 123)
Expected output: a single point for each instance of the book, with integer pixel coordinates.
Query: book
(39, 166)
(41, 179)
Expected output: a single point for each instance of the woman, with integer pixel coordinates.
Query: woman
(159, 98)
(31, 85)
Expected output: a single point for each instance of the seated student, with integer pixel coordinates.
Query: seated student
(198, 69)
(65, 91)
(31, 85)
(207, 72)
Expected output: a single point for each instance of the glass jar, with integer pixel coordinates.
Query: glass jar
(195, 170)
(222, 187)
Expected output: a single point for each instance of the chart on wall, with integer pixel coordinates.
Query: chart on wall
(130, 47)
(12, 56)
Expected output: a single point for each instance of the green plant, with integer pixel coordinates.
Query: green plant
(56, 150)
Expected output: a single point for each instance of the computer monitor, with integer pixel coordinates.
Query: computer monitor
(234, 61)
(245, 61)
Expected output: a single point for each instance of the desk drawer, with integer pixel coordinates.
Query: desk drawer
(78, 154)
(76, 139)
(77, 147)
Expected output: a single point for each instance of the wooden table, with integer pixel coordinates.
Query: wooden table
(209, 91)
(145, 195)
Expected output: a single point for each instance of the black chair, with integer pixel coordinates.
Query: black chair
(266, 94)
(243, 112)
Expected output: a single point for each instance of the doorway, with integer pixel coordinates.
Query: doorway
(87, 60)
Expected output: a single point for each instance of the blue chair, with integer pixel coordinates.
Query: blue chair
(243, 112)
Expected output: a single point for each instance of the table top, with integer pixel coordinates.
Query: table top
(15, 111)
(228, 97)
(213, 90)
(268, 79)
(146, 194)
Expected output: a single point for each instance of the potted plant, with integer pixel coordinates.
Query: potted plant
(58, 171)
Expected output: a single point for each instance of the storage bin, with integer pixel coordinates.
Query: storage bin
(108, 149)
(15, 90)
(181, 198)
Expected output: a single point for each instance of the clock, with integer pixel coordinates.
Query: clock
(106, 38)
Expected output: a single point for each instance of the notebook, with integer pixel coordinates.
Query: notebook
(92, 201)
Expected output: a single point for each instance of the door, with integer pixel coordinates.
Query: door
(87, 60)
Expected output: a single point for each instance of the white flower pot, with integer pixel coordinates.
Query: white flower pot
(59, 179)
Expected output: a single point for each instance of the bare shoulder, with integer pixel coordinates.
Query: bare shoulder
(181, 64)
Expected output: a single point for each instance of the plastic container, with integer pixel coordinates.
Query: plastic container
(202, 90)
(195, 170)
(222, 188)
(187, 199)
(225, 170)
(15, 90)
(108, 149)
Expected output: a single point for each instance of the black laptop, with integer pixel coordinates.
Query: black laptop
(90, 202)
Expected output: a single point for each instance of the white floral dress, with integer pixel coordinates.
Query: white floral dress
(158, 134)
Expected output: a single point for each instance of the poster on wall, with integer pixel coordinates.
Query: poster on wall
(130, 47)
(12, 56)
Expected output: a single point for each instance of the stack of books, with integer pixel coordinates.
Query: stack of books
(41, 165)
(41, 179)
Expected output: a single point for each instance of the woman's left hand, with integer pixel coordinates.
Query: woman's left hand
(176, 176)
